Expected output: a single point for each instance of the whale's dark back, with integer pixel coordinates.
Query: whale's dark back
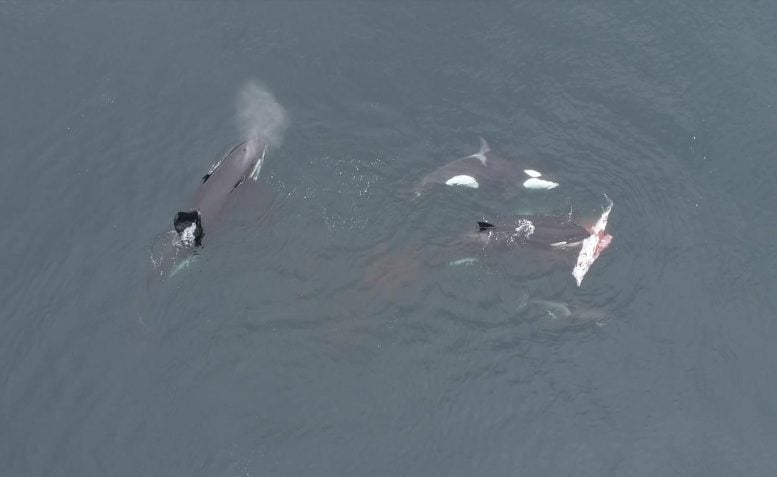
(542, 230)
(550, 229)
(217, 186)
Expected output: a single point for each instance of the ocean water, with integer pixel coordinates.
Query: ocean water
(323, 330)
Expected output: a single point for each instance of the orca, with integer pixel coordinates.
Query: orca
(566, 312)
(486, 168)
(176, 249)
(553, 232)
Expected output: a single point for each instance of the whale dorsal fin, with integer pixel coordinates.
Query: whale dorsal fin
(483, 226)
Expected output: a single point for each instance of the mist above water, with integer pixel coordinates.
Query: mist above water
(260, 117)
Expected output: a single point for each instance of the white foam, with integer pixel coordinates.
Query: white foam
(187, 236)
(525, 227)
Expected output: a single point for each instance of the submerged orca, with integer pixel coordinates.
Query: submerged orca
(175, 249)
(566, 312)
(484, 167)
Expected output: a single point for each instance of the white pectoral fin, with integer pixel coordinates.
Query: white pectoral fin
(466, 261)
(463, 180)
(565, 245)
(182, 265)
(531, 173)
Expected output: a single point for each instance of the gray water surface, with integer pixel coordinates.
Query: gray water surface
(329, 335)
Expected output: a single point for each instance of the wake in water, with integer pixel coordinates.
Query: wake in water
(260, 117)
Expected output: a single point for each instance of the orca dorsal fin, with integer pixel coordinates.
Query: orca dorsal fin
(482, 226)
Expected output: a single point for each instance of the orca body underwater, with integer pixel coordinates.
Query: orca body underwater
(177, 248)
(485, 168)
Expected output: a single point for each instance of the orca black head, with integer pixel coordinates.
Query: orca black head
(189, 227)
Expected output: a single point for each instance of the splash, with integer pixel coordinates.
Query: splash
(260, 117)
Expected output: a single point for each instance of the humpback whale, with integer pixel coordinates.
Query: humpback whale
(175, 249)
(484, 167)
